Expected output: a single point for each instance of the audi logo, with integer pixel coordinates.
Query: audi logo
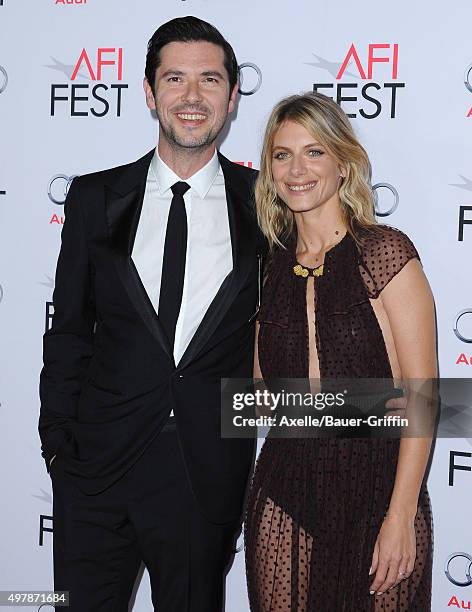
(462, 576)
(467, 82)
(3, 79)
(58, 187)
(394, 204)
(459, 334)
(249, 71)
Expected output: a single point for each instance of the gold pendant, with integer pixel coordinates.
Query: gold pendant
(301, 271)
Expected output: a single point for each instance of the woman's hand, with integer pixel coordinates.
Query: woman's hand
(394, 553)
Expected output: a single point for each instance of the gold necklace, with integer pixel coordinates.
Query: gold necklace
(302, 271)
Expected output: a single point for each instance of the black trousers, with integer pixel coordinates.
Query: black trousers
(149, 515)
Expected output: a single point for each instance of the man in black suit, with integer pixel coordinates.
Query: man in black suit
(157, 287)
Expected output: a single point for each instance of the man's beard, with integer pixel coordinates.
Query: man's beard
(190, 142)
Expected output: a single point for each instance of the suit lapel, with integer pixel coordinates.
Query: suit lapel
(124, 200)
(242, 227)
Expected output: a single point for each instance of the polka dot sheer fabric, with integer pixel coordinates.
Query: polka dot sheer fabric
(315, 506)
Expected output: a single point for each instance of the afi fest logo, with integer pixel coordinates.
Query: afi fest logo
(370, 98)
(468, 84)
(103, 67)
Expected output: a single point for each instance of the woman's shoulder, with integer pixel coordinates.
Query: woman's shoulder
(385, 240)
(384, 251)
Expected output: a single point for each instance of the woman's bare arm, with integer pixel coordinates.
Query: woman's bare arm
(409, 305)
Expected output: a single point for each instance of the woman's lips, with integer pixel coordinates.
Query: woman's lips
(301, 187)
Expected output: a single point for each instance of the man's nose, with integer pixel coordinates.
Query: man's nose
(192, 92)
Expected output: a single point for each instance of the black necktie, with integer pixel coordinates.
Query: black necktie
(173, 264)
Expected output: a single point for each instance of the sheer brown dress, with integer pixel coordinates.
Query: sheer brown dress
(315, 506)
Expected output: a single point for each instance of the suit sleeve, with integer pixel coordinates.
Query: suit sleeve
(68, 345)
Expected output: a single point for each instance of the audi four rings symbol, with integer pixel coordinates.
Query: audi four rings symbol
(467, 82)
(396, 199)
(467, 311)
(60, 183)
(257, 86)
(467, 568)
(3, 79)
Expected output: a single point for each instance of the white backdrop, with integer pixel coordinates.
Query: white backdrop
(421, 153)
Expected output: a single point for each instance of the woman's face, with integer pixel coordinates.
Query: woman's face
(306, 176)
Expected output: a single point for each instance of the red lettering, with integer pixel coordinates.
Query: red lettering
(56, 219)
(240, 163)
(352, 52)
(102, 62)
(395, 62)
(463, 359)
(469, 114)
(84, 57)
(120, 64)
(372, 59)
(453, 602)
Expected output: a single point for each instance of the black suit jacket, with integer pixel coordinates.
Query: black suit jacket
(109, 380)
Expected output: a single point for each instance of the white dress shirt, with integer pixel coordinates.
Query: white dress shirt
(209, 256)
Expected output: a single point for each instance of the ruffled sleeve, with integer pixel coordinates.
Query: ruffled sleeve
(384, 252)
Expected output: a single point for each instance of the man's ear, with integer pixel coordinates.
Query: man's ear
(150, 101)
(232, 98)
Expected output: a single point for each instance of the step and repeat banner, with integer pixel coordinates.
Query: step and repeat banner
(71, 102)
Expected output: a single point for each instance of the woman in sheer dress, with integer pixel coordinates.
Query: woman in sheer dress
(336, 523)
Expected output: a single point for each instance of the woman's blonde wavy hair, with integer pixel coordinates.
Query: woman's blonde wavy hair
(328, 123)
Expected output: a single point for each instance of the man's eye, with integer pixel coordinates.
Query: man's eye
(211, 80)
(173, 79)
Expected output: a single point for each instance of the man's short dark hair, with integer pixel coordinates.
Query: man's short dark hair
(188, 29)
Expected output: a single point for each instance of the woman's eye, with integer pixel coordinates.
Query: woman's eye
(281, 155)
(315, 153)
